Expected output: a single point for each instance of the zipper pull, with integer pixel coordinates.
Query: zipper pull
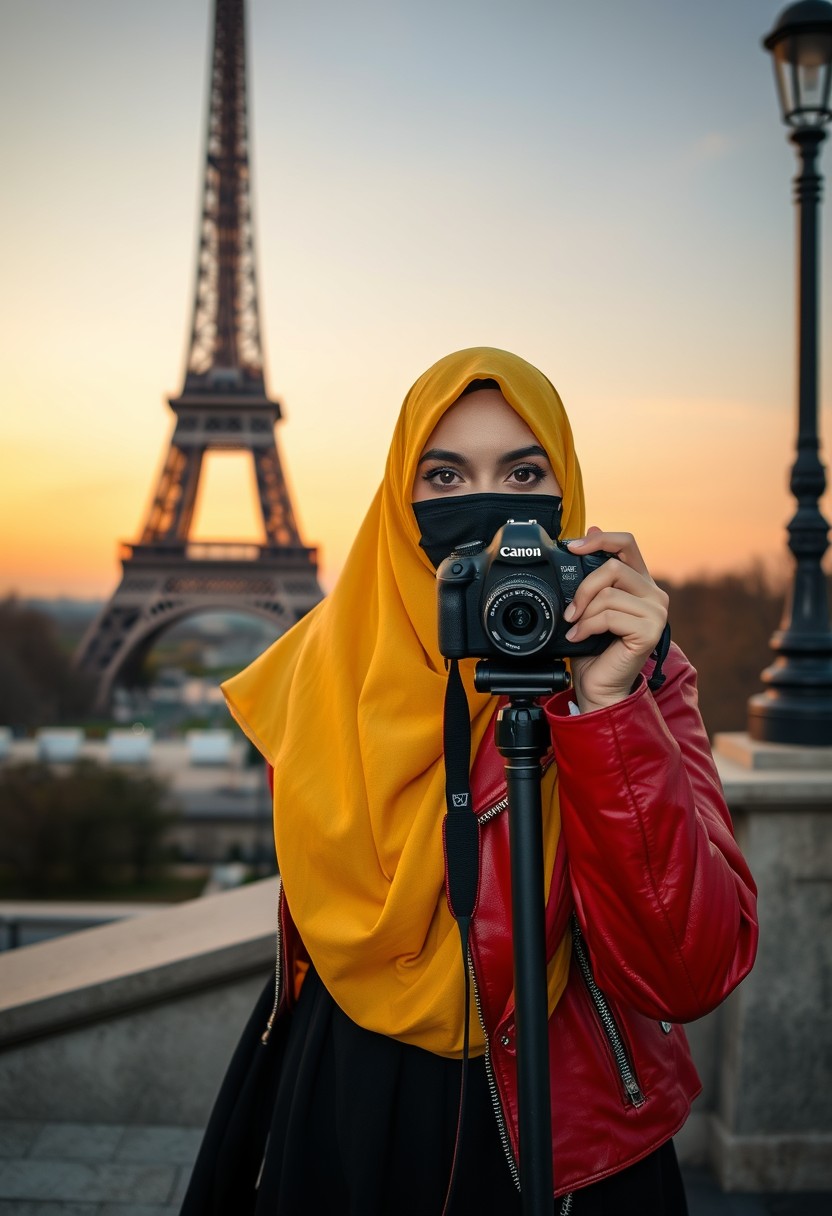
(634, 1093)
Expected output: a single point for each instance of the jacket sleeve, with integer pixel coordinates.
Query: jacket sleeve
(663, 895)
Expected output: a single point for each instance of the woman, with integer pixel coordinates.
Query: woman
(351, 1098)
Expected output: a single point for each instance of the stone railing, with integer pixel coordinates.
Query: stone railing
(134, 1022)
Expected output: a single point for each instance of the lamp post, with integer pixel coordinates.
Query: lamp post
(797, 704)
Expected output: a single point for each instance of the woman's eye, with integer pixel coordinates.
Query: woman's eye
(442, 477)
(527, 475)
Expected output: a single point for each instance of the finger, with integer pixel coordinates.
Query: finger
(612, 599)
(614, 573)
(621, 544)
(639, 633)
(645, 616)
(618, 599)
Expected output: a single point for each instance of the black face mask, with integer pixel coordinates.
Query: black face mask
(448, 522)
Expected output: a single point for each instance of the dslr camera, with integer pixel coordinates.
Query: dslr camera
(508, 599)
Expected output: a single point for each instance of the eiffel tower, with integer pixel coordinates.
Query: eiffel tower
(223, 406)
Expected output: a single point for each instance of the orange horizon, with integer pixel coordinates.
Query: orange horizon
(696, 507)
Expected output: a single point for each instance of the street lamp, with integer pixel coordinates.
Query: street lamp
(797, 704)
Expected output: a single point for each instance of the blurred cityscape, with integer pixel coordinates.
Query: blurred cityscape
(161, 800)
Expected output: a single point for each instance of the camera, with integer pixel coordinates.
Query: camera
(508, 598)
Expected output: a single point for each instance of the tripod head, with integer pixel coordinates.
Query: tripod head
(520, 681)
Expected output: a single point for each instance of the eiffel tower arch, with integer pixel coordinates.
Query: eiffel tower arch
(223, 406)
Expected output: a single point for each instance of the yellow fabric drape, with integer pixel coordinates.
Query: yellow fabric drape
(347, 707)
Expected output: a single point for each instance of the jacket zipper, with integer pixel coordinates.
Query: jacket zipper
(278, 970)
(264, 1037)
(492, 1084)
(502, 805)
(628, 1078)
(566, 1200)
(492, 813)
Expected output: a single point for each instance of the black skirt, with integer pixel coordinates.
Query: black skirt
(329, 1117)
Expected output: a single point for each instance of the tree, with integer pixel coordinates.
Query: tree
(86, 829)
(723, 624)
(37, 682)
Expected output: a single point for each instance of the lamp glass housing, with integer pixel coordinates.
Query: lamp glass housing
(803, 71)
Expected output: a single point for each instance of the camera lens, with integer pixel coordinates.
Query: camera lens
(520, 619)
(519, 614)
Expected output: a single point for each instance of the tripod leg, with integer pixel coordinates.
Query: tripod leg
(522, 739)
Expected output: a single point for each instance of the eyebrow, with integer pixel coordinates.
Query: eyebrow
(533, 449)
(443, 454)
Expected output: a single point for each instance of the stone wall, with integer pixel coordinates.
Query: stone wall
(134, 1022)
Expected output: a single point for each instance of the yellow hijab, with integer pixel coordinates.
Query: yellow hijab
(347, 707)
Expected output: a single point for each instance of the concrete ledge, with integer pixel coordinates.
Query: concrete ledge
(770, 776)
(771, 1163)
(751, 754)
(49, 987)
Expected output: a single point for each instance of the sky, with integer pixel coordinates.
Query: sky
(603, 188)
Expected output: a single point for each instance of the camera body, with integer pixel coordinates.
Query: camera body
(508, 598)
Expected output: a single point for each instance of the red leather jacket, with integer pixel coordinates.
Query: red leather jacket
(662, 908)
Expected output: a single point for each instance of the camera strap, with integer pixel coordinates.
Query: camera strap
(659, 654)
(461, 840)
(460, 830)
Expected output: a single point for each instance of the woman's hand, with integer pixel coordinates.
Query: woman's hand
(619, 597)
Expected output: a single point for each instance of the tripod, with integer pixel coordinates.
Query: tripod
(522, 737)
